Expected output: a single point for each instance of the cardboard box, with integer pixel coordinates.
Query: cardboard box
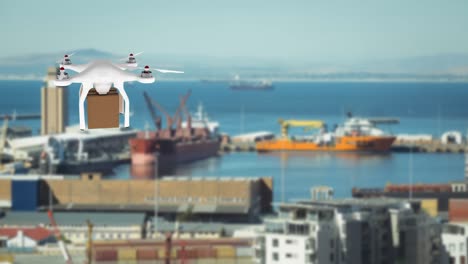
(103, 110)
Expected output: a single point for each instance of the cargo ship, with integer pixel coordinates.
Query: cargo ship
(237, 84)
(356, 134)
(163, 149)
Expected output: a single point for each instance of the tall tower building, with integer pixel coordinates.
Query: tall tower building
(54, 105)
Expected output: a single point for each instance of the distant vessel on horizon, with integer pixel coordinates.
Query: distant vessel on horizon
(237, 84)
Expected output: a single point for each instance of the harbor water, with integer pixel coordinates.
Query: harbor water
(423, 108)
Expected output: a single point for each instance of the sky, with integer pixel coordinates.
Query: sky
(312, 30)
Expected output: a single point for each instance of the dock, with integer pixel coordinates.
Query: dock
(20, 116)
(433, 146)
(238, 147)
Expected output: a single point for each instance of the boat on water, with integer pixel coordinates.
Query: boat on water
(160, 151)
(238, 84)
(356, 134)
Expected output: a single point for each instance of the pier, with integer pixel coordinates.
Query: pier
(433, 146)
(20, 116)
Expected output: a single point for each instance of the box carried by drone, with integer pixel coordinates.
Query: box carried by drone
(103, 110)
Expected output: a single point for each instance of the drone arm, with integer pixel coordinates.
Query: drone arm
(120, 87)
(127, 66)
(86, 86)
(76, 67)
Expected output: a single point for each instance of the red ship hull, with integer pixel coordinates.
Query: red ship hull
(149, 151)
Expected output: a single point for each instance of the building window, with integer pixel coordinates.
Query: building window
(275, 256)
(290, 241)
(275, 242)
(332, 257)
(332, 243)
(289, 255)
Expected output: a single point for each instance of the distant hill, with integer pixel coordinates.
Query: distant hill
(442, 67)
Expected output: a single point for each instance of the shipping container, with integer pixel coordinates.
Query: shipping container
(225, 251)
(227, 260)
(105, 255)
(25, 195)
(127, 254)
(129, 262)
(162, 253)
(7, 258)
(430, 206)
(204, 253)
(147, 253)
(458, 210)
(207, 261)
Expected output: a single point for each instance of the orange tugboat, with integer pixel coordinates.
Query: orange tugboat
(356, 134)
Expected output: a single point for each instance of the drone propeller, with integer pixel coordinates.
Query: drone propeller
(147, 68)
(66, 56)
(131, 55)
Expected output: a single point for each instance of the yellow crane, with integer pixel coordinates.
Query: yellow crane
(306, 124)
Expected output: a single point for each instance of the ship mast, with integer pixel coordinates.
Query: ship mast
(188, 117)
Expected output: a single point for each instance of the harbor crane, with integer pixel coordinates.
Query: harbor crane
(154, 115)
(157, 120)
(182, 107)
(306, 124)
(188, 117)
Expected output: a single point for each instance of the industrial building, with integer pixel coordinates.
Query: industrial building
(350, 231)
(240, 199)
(54, 105)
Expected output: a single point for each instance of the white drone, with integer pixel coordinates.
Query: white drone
(103, 75)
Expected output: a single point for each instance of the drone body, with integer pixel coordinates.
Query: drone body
(102, 75)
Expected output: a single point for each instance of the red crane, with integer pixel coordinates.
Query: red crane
(177, 117)
(58, 236)
(188, 117)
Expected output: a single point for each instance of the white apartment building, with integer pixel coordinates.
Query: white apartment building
(455, 239)
(294, 236)
(370, 231)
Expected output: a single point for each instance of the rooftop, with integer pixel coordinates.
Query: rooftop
(35, 233)
(349, 203)
(32, 219)
(36, 218)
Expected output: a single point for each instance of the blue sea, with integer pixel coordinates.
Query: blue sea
(423, 108)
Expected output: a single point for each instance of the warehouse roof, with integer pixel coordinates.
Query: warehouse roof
(71, 218)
